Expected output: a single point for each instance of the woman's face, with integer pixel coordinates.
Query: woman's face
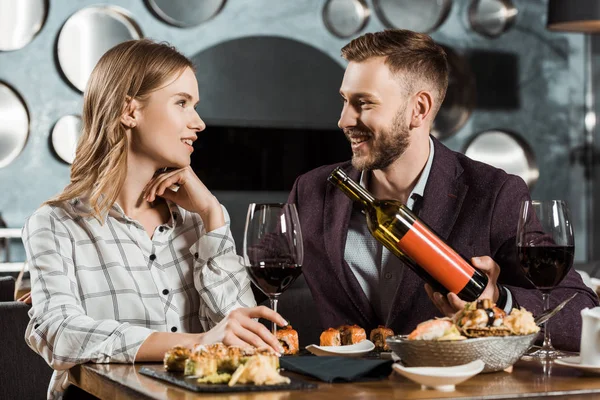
(167, 124)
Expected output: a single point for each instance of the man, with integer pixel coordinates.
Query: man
(392, 89)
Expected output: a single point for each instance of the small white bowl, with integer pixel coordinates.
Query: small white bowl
(443, 379)
(353, 350)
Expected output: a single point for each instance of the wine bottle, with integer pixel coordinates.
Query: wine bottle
(411, 240)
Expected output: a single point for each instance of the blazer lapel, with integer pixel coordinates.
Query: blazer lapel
(442, 200)
(338, 208)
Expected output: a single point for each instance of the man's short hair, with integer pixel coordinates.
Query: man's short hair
(413, 54)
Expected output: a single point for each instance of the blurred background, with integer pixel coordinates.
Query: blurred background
(521, 96)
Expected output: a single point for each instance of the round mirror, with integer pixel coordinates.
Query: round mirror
(460, 97)
(491, 18)
(87, 35)
(20, 21)
(187, 13)
(504, 150)
(65, 135)
(14, 126)
(415, 15)
(345, 18)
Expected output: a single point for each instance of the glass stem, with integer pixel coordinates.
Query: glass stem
(547, 343)
(274, 308)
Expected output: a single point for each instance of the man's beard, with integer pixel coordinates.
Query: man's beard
(386, 148)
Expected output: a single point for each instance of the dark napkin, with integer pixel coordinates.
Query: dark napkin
(338, 369)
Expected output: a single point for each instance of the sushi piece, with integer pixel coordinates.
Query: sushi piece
(288, 338)
(378, 336)
(352, 334)
(175, 358)
(330, 337)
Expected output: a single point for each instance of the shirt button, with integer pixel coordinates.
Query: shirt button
(174, 216)
(165, 291)
(388, 275)
(36, 326)
(173, 329)
(152, 257)
(161, 229)
(196, 255)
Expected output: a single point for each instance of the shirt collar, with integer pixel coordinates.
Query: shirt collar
(81, 204)
(419, 188)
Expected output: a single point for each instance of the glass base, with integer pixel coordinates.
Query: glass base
(541, 353)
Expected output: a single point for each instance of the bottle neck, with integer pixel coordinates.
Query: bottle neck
(350, 187)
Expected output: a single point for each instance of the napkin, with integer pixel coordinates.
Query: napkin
(338, 369)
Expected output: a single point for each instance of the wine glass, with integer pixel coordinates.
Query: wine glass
(273, 251)
(546, 249)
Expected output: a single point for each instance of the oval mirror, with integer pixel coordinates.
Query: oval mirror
(87, 35)
(65, 135)
(14, 126)
(460, 97)
(504, 150)
(345, 18)
(492, 18)
(415, 15)
(187, 13)
(20, 21)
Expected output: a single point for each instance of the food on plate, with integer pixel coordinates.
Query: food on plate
(330, 337)
(378, 336)
(481, 319)
(258, 370)
(436, 329)
(175, 358)
(477, 319)
(288, 338)
(521, 322)
(343, 335)
(218, 363)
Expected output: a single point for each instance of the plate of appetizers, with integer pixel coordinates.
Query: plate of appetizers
(349, 341)
(221, 368)
(481, 331)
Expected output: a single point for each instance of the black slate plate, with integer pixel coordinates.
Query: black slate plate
(177, 378)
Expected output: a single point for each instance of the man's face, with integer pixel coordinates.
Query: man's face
(374, 118)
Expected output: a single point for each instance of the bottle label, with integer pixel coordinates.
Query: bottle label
(436, 257)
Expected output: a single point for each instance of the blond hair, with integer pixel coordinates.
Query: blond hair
(130, 70)
(413, 53)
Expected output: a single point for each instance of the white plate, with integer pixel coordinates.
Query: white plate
(575, 362)
(440, 378)
(353, 350)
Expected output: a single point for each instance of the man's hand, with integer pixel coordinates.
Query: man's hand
(451, 304)
(240, 329)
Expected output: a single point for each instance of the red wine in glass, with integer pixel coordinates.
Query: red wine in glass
(546, 266)
(546, 249)
(273, 251)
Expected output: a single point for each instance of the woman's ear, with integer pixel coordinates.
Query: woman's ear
(130, 112)
(421, 108)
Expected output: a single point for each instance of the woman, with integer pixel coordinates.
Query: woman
(136, 255)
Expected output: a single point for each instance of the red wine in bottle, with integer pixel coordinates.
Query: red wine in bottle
(401, 232)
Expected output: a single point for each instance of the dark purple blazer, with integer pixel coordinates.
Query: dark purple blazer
(471, 205)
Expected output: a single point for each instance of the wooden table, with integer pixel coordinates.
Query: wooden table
(120, 381)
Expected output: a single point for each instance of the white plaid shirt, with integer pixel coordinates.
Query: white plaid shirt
(99, 290)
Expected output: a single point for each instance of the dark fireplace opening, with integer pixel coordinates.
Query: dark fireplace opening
(263, 159)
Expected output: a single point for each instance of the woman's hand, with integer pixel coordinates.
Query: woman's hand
(240, 329)
(192, 195)
(26, 298)
(451, 304)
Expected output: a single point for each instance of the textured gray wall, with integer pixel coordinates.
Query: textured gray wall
(548, 70)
